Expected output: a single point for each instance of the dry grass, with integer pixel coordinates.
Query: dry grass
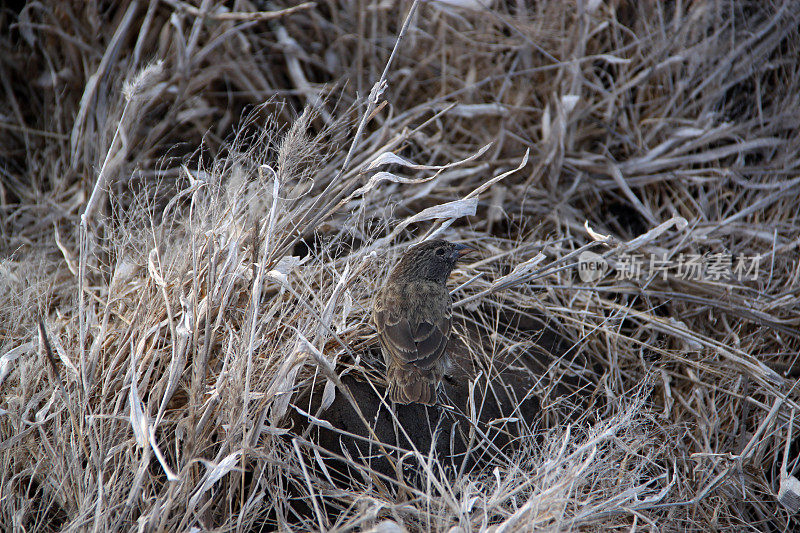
(198, 287)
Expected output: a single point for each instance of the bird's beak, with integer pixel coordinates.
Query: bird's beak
(460, 250)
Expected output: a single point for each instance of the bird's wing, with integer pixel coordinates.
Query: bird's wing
(431, 340)
(421, 343)
(395, 335)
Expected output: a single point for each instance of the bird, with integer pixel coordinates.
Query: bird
(412, 313)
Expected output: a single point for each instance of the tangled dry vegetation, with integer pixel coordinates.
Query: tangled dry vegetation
(203, 253)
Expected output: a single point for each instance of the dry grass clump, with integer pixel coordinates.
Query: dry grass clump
(206, 295)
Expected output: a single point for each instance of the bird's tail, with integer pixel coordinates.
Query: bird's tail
(410, 385)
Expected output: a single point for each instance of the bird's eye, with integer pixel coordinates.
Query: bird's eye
(440, 251)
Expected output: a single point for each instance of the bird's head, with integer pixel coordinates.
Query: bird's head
(432, 260)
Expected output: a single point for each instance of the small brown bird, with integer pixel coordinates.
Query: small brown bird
(412, 314)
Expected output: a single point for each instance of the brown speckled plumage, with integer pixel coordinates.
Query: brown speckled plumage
(412, 314)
